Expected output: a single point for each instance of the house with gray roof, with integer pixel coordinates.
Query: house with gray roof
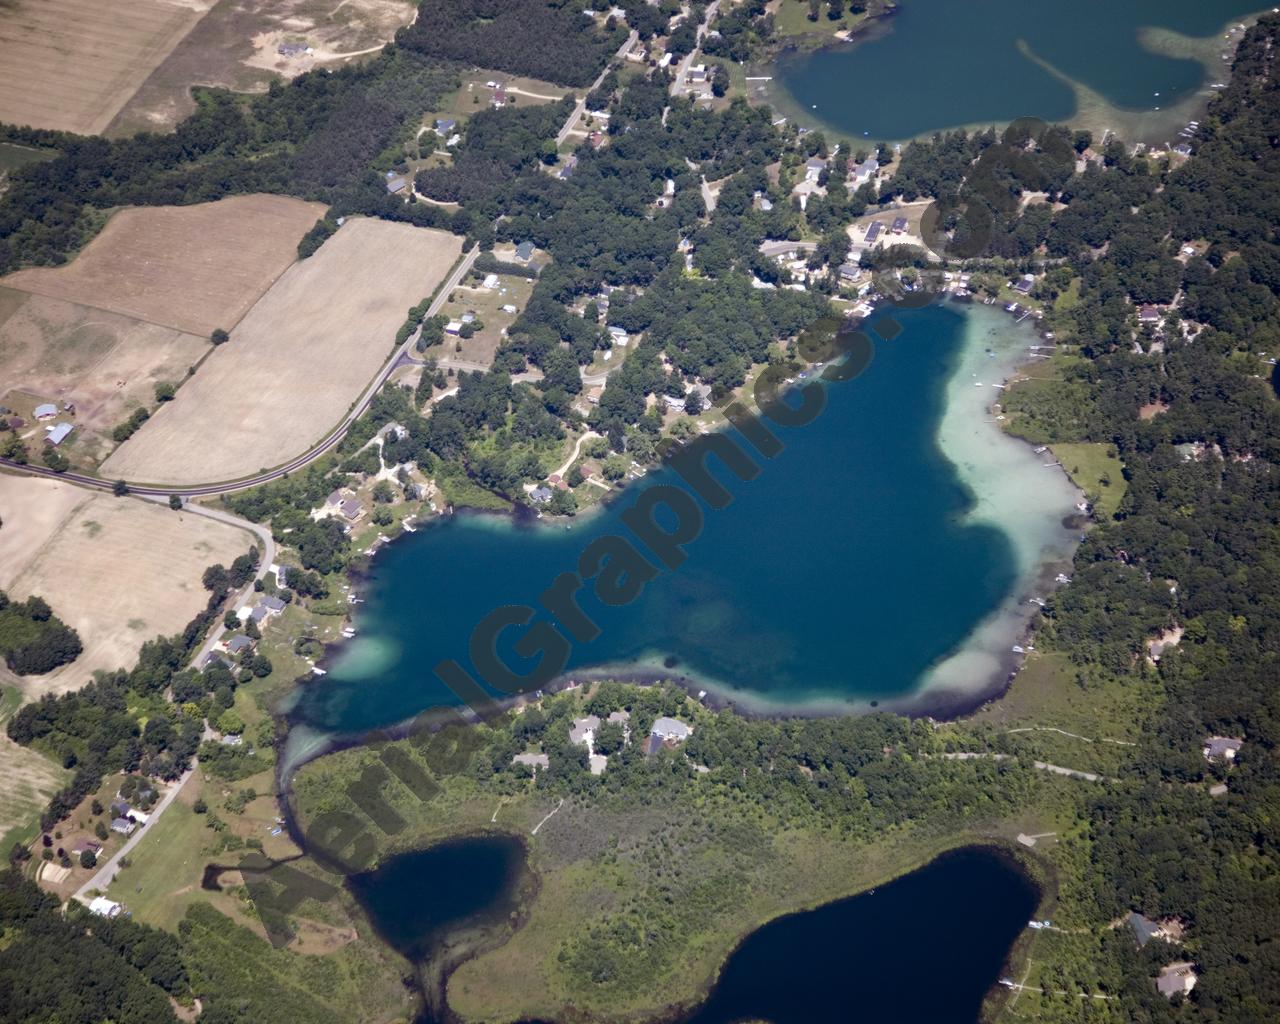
(58, 433)
(584, 730)
(671, 729)
(524, 252)
(46, 410)
(534, 761)
(1176, 979)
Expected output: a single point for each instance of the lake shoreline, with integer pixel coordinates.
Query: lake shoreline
(1131, 121)
(935, 696)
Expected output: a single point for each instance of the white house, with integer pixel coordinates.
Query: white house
(104, 907)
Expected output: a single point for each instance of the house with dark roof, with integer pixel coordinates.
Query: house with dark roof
(445, 125)
(239, 643)
(899, 225)
(524, 252)
(396, 183)
(1144, 929)
(873, 232)
(541, 495)
(351, 510)
(1024, 284)
(1148, 315)
(1221, 748)
(814, 167)
(123, 826)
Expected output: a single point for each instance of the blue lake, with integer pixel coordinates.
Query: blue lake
(843, 572)
(938, 64)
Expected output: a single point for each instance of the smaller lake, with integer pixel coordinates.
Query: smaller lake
(414, 898)
(1137, 67)
(924, 949)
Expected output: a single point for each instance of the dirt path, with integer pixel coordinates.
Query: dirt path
(1073, 735)
(573, 457)
(547, 818)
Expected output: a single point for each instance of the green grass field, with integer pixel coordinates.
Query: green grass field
(1097, 470)
(164, 876)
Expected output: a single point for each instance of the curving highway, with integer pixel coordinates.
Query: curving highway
(293, 465)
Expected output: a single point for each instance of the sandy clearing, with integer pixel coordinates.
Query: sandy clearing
(297, 361)
(192, 268)
(236, 46)
(119, 570)
(72, 64)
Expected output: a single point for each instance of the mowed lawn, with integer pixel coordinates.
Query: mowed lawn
(72, 64)
(296, 363)
(118, 570)
(190, 268)
(1097, 470)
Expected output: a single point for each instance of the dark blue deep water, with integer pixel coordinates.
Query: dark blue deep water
(844, 570)
(924, 949)
(414, 898)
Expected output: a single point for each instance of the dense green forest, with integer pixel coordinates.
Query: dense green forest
(552, 41)
(57, 969)
(32, 639)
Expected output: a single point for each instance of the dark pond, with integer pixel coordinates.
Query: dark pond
(414, 898)
(924, 949)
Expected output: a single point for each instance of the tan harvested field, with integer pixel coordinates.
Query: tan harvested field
(106, 364)
(235, 46)
(29, 780)
(192, 268)
(118, 570)
(296, 363)
(72, 64)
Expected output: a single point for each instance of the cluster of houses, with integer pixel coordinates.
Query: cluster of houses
(665, 732)
(816, 167)
(125, 819)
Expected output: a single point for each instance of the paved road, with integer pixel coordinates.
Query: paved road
(682, 72)
(107, 870)
(581, 106)
(227, 487)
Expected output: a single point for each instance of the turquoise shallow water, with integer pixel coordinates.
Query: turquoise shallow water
(847, 569)
(938, 64)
